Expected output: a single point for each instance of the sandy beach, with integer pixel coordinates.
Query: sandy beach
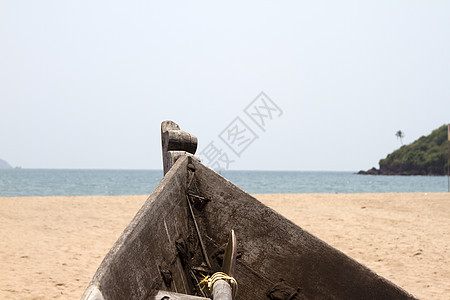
(51, 246)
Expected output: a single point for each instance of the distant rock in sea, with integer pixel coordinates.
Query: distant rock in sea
(4, 164)
(373, 171)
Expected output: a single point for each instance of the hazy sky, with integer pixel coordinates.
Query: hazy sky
(86, 84)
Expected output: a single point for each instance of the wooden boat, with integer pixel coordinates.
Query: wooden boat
(179, 236)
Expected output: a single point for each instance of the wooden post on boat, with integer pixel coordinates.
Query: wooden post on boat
(222, 291)
(175, 143)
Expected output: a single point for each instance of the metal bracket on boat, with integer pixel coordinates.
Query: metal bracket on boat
(176, 143)
(202, 245)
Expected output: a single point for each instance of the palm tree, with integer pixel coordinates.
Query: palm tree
(399, 134)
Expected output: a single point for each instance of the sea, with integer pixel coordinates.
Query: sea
(58, 182)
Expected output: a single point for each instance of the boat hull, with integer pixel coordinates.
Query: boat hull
(161, 249)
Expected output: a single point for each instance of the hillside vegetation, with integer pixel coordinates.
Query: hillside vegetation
(426, 156)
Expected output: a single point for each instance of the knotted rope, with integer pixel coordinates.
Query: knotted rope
(209, 281)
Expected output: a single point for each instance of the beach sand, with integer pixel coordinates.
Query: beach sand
(50, 247)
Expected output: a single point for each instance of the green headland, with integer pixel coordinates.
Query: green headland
(428, 155)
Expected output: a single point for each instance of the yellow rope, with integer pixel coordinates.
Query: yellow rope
(209, 281)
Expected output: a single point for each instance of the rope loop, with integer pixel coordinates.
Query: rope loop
(209, 281)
